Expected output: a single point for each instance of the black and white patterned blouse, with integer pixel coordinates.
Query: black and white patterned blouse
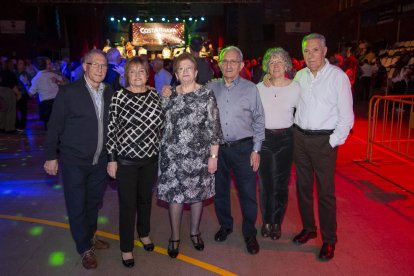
(192, 124)
(135, 124)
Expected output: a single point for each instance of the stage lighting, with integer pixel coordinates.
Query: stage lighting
(124, 18)
(176, 19)
(112, 19)
(151, 19)
(146, 21)
(190, 19)
(195, 20)
(202, 18)
(163, 19)
(119, 20)
(137, 19)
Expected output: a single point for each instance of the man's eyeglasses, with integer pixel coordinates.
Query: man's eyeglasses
(232, 62)
(97, 65)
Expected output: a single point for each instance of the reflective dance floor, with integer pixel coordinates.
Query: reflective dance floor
(375, 222)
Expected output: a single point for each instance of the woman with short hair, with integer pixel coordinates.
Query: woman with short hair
(279, 102)
(136, 121)
(189, 149)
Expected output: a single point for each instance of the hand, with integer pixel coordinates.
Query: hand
(111, 169)
(255, 161)
(166, 91)
(51, 167)
(267, 80)
(212, 165)
(119, 70)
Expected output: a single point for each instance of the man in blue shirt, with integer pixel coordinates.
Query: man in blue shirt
(242, 123)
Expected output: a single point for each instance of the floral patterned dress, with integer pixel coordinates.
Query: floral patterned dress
(192, 124)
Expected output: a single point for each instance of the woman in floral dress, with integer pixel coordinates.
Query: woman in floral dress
(189, 148)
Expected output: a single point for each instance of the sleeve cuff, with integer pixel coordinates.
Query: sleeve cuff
(112, 157)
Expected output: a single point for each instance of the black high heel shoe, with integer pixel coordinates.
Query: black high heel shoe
(128, 263)
(149, 246)
(173, 252)
(199, 244)
(275, 232)
(266, 228)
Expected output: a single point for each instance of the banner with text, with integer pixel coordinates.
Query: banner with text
(157, 33)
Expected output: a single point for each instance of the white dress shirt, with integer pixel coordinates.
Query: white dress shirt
(325, 102)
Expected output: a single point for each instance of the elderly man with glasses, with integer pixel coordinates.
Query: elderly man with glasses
(242, 123)
(77, 132)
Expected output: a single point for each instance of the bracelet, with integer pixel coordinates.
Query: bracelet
(213, 156)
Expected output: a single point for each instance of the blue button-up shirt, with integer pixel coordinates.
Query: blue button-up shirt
(241, 110)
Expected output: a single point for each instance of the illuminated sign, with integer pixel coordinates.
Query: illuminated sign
(157, 33)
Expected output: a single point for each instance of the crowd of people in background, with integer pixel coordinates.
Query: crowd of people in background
(371, 71)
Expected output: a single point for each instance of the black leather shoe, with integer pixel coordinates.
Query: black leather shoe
(266, 230)
(128, 263)
(327, 251)
(304, 236)
(199, 244)
(173, 251)
(222, 234)
(252, 245)
(275, 232)
(148, 247)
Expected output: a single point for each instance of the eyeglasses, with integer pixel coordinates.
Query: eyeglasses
(232, 62)
(97, 65)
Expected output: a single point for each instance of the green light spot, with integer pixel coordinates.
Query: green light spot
(4, 165)
(57, 187)
(36, 231)
(102, 220)
(29, 156)
(57, 258)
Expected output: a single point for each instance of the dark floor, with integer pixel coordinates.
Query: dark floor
(375, 222)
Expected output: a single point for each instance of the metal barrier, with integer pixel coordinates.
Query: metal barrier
(391, 124)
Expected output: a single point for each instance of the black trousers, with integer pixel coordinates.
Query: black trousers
(45, 109)
(315, 157)
(276, 162)
(84, 187)
(22, 109)
(236, 158)
(135, 184)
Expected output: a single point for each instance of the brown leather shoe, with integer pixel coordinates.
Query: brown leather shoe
(89, 259)
(304, 237)
(99, 244)
(327, 251)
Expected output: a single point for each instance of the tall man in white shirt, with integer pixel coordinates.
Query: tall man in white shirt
(323, 120)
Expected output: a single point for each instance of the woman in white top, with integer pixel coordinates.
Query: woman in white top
(279, 101)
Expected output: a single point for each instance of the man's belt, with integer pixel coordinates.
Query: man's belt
(314, 132)
(237, 142)
(276, 131)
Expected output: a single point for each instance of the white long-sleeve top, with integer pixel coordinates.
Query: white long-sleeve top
(325, 102)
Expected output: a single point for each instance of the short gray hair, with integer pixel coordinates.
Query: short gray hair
(276, 52)
(229, 48)
(92, 52)
(313, 36)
